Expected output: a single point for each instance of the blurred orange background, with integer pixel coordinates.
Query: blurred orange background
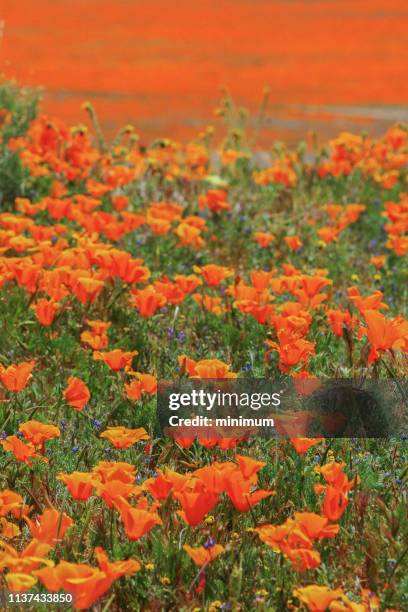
(160, 64)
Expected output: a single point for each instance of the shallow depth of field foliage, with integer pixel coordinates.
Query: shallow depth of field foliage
(121, 264)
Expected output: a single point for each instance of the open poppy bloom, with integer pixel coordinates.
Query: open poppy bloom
(213, 274)
(22, 564)
(292, 350)
(85, 582)
(38, 433)
(144, 383)
(205, 368)
(16, 376)
(295, 538)
(122, 437)
(202, 555)
(22, 451)
(137, 521)
(79, 484)
(384, 334)
(302, 445)
(116, 359)
(11, 502)
(318, 598)
(240, 492)
(50, 527)
(95, 341)
(77, 393)
(87, 289)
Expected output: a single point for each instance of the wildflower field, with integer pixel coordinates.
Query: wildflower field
(122, 264)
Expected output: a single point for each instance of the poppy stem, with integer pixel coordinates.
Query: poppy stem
(251, 510)
(198, 576)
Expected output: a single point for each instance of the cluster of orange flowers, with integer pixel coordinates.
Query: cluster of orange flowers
(380, 159)
(295, 537)
(64, 253)
(114, 482)
(281, 171)
(397, 226)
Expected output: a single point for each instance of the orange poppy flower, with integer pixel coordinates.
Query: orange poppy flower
(147, 301)
(335, 503)
(160, 486)
(171, 291)
(302, 445)
(328, 234)
(120, 202)
(187, 283)
(263, 313)
(111, 490)
(116, 569)
(293, 542)
(249, 467)
(159, 227)
(239, 491)
(333, 474)
(196, 501)
(26, 560)
(371, 302)
(206, 368)
(50, 527)
(76, 393)
(22, 451)
(303, 559)
(213, 368)
(93, 340)
(399, 244)
(316, 527)
(339, 320)
(115, 359)
(294, 242)
(45, 311)
(134, 390)
(107, 471)
(87, 289)
(79, 484)
(264, 239)
(137, 521)
(86, 583)
(292, 350)
(189, 235)
(145, 383)
(98, 327)
(215, 200)
(213, 274)
(317, 598)
(383, 333)
(122, 437)
(10, 501)
(212, 303)
(202, 555)
(169, 211)
(260, 279)
(37, 433)
(16, 376)
(378, 261)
